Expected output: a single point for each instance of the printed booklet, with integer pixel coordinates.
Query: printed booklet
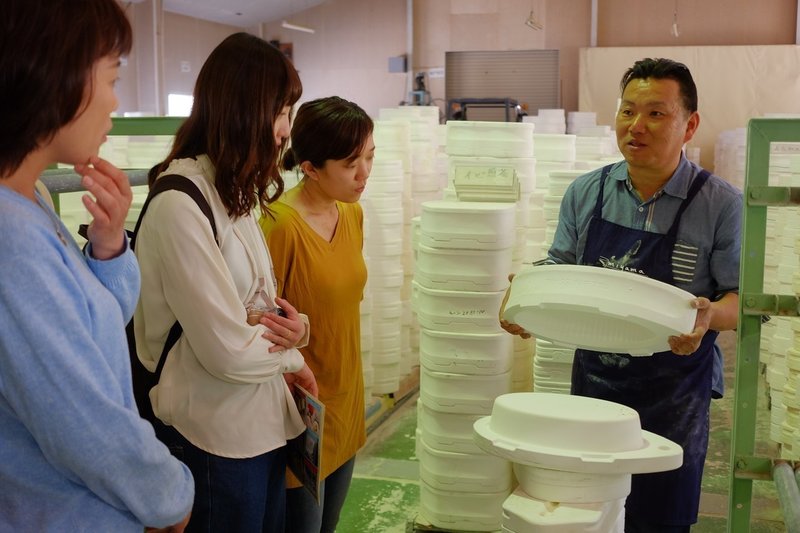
(304, 452)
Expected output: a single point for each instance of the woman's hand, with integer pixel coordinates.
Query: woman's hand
(112, 198)
(688, 343)
(303, 377)
(284, 332)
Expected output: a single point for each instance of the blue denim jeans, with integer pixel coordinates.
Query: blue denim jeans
(303, 515)
(232, 495)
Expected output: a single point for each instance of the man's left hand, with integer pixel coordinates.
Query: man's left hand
(688, 343)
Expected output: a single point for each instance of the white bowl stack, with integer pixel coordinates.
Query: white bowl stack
(780, 348)
(566, 481)
(552, 367)
(385, 202)
(126, 152)
(419, 146)
(730, 154)
(553, 153)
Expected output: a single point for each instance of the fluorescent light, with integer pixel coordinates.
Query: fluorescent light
(288, 26)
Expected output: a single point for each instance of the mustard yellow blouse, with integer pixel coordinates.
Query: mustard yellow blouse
(325, 280)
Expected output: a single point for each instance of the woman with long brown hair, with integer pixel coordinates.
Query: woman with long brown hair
(223, 396)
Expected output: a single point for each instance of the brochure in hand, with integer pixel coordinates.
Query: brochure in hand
(305, 450)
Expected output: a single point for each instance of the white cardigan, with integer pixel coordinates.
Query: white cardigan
(220, 387)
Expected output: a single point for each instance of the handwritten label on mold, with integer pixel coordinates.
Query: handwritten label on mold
(485, 175)
(468, 312)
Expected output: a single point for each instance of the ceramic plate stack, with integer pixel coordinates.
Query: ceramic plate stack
(544, 436)
(554, 153)
(145, 151)
(730, 152)
(366, 344)
(383, 244)
(522, 371)
(552, 367)
(556, 187)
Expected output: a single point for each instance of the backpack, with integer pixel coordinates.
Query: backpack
(143, 379)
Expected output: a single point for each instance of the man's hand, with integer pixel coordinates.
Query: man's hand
(112, 198)
(688, 343)
(514, 329)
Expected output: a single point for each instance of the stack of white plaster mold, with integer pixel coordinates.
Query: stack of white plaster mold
(136, 152)
(568, 482)
(463, 256)
(548, 121)
(424, 182)
(730, 154)
(384, 202)
(780, 346)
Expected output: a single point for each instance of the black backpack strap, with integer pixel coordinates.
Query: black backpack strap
(174, 182)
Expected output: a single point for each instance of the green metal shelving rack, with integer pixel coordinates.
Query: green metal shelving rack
(758, 195)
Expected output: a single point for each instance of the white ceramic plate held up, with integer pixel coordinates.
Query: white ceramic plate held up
(599, 309)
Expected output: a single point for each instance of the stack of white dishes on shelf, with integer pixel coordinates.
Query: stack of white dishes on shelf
(780, 346)
(566, 481)
(552, 367)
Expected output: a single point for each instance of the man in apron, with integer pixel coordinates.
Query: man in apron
(662, 216)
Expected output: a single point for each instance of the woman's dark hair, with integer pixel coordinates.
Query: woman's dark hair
(240, 91)
(47, 51)
(327, 128)
(660, 69)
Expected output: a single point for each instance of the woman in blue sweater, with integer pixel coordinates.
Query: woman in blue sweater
(74, 454)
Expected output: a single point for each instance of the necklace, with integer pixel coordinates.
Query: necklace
(56, 223)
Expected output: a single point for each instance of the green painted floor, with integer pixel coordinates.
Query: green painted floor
(384, 495)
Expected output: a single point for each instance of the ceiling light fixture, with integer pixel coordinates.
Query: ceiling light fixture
(674, 31)
(289, 26)
(533, 22)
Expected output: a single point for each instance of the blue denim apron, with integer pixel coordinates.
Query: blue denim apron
(671, 393)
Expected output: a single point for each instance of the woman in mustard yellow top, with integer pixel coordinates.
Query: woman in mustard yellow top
(314, 233)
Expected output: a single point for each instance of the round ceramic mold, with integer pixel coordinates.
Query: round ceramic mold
(599, 309)
(550, 431)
